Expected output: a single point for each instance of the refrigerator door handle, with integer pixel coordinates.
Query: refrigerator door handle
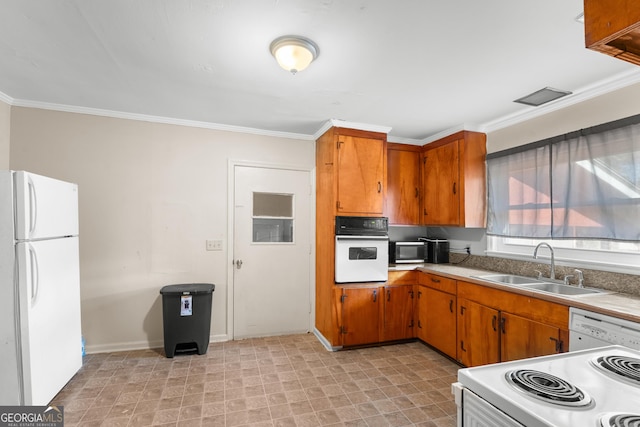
(33, 206)
(35, 279)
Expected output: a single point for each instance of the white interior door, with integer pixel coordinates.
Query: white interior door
(272, 252)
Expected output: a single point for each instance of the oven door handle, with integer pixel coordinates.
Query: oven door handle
(372, 238)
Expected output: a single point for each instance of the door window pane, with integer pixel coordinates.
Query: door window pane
(272, 218)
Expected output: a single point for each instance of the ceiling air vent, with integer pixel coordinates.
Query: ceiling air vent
(542, 96)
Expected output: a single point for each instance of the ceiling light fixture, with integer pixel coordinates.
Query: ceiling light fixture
(294, 53)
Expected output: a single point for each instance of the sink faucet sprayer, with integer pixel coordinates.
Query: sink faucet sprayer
(552, 274)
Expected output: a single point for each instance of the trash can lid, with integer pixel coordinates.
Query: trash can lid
(188, 289)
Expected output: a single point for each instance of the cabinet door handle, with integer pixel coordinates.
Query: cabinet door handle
(494, 323)
(502, 325)
(375, 296)
(419, 294)
(462, 346)
(419, 324)
(454, 188)
(388, 295)
(434, 280)
(417, 192)
(558, 344)
(451, 306)
(462, 309)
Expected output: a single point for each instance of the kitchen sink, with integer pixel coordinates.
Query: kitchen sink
(538, 285)
(559, 288)
(509, 279)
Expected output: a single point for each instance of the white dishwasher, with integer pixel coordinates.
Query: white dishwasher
(591, 330)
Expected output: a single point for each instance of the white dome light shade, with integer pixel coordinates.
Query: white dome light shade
(294, 53)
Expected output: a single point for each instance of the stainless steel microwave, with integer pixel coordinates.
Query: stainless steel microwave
(407, 252)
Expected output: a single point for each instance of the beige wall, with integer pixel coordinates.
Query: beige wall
(605, 108)
(150, 195)
(5, 128)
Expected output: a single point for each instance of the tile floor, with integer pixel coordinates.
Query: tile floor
(275, 381)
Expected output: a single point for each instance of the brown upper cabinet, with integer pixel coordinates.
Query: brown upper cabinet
(403, 184)
(612, 27)
(354, 170)
(454, 180)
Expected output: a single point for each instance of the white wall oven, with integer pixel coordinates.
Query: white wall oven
(597, 387)
(362, 249)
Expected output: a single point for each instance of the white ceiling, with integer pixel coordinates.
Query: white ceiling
(421, 67)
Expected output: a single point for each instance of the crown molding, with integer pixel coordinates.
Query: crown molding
(157, 119)
(618, 81)
(401, 140)
(464, 126)
(349, 125)
(6, 98)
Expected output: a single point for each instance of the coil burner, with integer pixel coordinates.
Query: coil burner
(548, 388)
(620, 367)
(620, 420)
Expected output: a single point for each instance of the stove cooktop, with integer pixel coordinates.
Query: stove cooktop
(596, 387)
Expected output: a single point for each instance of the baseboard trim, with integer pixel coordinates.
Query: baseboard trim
(140, 345)
(325, 342)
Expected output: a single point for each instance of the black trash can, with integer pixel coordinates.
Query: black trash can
(186, 315)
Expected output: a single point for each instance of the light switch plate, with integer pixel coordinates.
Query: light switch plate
(214, 245)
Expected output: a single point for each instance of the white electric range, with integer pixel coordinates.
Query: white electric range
(588, 388)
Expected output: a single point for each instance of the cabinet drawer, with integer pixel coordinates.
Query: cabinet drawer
(440, 283)
(406, 277)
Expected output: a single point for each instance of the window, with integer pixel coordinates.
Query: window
(272, 218)
(581, 190)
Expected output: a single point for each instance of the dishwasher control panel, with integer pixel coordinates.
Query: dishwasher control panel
(593, 327)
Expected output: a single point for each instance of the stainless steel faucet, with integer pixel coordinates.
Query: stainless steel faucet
(580, 278)
(552, 274)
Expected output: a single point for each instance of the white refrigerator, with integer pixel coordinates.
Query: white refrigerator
(40, 335)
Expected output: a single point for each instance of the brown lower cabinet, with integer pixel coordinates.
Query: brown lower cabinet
(372, 314)
(521, 338)
(474, 324)
(360, 320)
(498, 326)
(478, 334)
(437, 319)
(398, 321)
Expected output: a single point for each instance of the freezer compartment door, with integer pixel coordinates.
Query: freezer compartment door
(49, 300)
(45, 207)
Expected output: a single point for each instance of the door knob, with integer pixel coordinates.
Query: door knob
(238, 264)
